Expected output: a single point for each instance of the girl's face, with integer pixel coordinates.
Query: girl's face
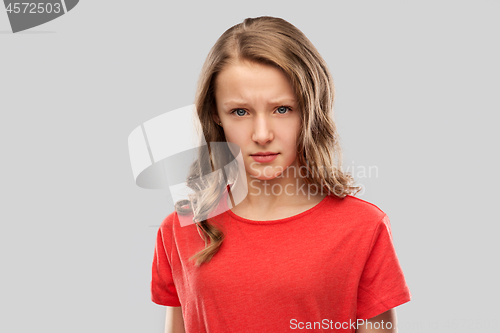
(259, 112)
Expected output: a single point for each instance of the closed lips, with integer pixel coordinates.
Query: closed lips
(264, 154)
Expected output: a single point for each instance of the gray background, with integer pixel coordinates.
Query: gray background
(417, 96)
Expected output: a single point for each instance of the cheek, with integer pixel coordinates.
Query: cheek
(292, 143)
(232, 135)
(291, 156)
(291, 136)
(237, 140)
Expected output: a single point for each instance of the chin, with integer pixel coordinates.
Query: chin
(263, 177)
(266, 175)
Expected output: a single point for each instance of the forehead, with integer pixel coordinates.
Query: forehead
(251, 80)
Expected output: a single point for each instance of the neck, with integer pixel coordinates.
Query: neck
(286, 189)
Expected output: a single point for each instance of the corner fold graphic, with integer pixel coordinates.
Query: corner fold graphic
(26, 15)
(70, 4)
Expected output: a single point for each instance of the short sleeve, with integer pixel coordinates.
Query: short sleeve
(163, 290)
(382, 285)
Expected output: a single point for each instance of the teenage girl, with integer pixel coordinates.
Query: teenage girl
(298, 251)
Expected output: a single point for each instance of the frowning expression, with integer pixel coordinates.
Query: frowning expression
(259, 112)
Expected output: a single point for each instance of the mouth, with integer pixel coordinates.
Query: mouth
(264, 157)
(266, 153)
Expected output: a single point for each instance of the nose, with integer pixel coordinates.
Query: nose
(263, 132)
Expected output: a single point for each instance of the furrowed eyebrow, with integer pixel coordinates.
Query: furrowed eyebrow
(277, 101)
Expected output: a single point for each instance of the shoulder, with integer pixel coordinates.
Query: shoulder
(362, 206)
(169, 223)
(357, 211)
(176, 225)
(356, 206)
(169, 229)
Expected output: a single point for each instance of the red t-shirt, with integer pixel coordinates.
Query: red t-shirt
(319, 270)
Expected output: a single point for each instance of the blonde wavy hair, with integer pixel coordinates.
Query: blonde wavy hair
(276, 42)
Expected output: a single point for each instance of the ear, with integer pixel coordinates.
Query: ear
(216, 118)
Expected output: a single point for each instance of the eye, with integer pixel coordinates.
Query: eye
(238, 112)
(283, 109)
